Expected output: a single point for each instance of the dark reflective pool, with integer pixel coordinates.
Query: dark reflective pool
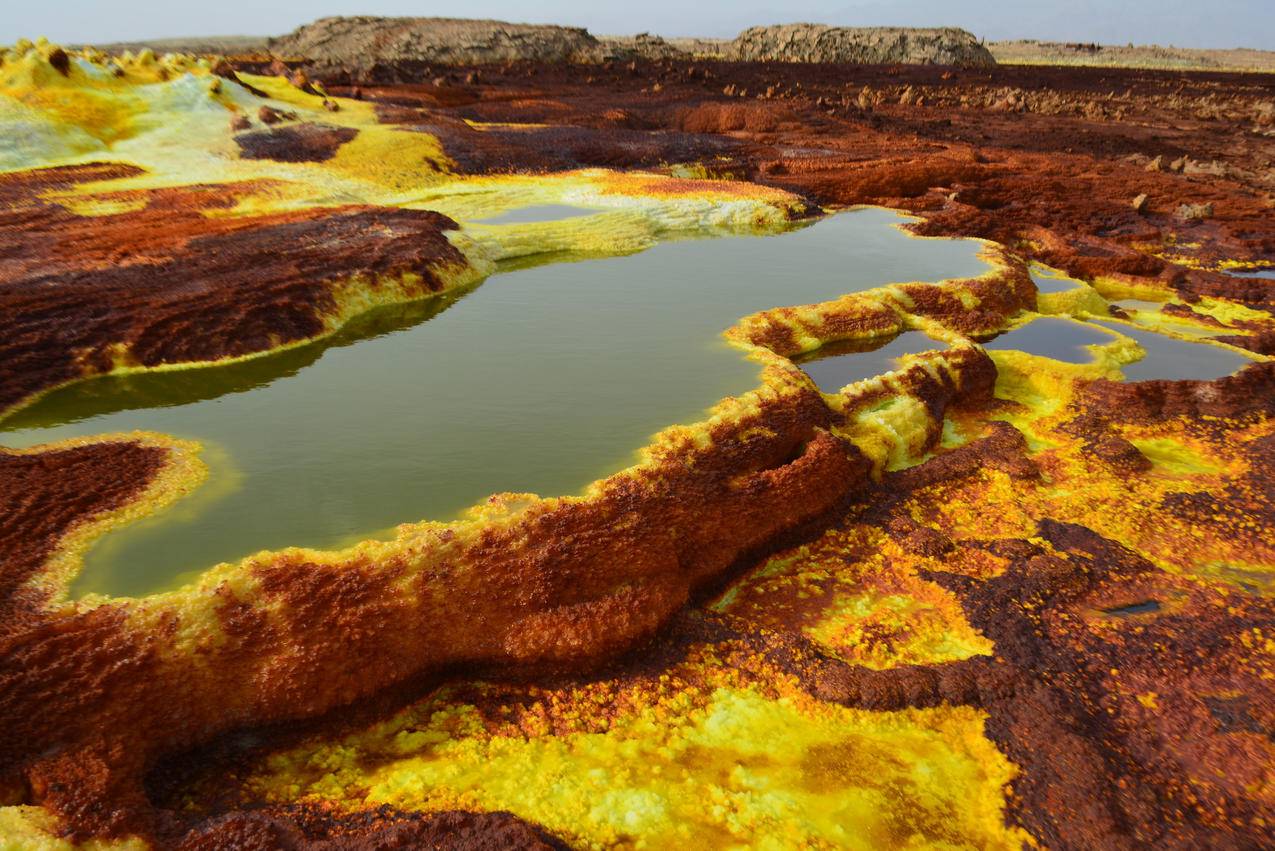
(1049, 337)
(541, 379)
(1134, 305)
(845, 363)
(1171, 359)
(1052, 281)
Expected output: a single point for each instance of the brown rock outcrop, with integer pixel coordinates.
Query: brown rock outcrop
(861, 45)
(364, 41)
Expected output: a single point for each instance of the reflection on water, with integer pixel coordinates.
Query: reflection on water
(538, 213)
(1268, 274)
(1049, 280)
(833, 367)
(1049, 337)
(1166, 358)
(1134, 305)
(542, 379)
(1170, 359)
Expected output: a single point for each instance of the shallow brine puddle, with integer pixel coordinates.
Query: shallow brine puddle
(1166, 358)
(1049, 280)
(539, 213)
(1049, 337)
(542, 379)
(835, 365)
(1170, 359)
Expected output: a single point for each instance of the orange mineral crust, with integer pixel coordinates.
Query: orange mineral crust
(988, 599)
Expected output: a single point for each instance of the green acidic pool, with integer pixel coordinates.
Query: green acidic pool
(541, 379)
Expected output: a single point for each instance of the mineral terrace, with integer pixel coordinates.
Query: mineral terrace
(985, 599)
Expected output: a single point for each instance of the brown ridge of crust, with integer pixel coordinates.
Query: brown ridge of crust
(1251, 391)
(1262, 343)
(302, 828)
(23, 188)
(1001, 293)
(169, 285)
(43, 495)
(562, 589)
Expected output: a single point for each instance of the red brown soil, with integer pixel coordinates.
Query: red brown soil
(1045, 161)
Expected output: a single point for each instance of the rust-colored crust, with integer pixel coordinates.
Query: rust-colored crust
(167, 284)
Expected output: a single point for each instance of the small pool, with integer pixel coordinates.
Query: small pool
(1268, 274)
(541, 379)
(1049, 280)
(1171, 359)
(538, 213)
(1133, 305)
(1049, 337)
(833, 367)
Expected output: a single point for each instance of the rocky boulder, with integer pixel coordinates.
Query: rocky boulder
(862, 45)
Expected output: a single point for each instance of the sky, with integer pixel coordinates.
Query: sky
(1184, 23)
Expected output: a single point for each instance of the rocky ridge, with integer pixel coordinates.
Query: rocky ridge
(358, 44)
(862, 45)
(365, 39)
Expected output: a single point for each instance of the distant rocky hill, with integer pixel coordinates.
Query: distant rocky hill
(1033, 52)
(359, 41)
(355, 45)
(863, 45)
(213, 45)
(368, 46)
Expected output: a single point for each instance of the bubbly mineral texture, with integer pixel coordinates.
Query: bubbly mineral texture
(987, 599)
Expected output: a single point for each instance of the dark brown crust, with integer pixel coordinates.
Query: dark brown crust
(311, 829)
(173, 285)
(295, 143)
(42, 496)
(1249, 392)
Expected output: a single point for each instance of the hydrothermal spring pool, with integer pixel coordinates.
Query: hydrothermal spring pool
(539, 380)
(833, 367)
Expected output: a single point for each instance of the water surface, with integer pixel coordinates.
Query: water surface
(1049, 280)
(1171, 359)
(1049, 337)
(541, 379)
(842, 364)
(539, 213)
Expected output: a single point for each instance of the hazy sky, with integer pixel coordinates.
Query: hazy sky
(1191, 23)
